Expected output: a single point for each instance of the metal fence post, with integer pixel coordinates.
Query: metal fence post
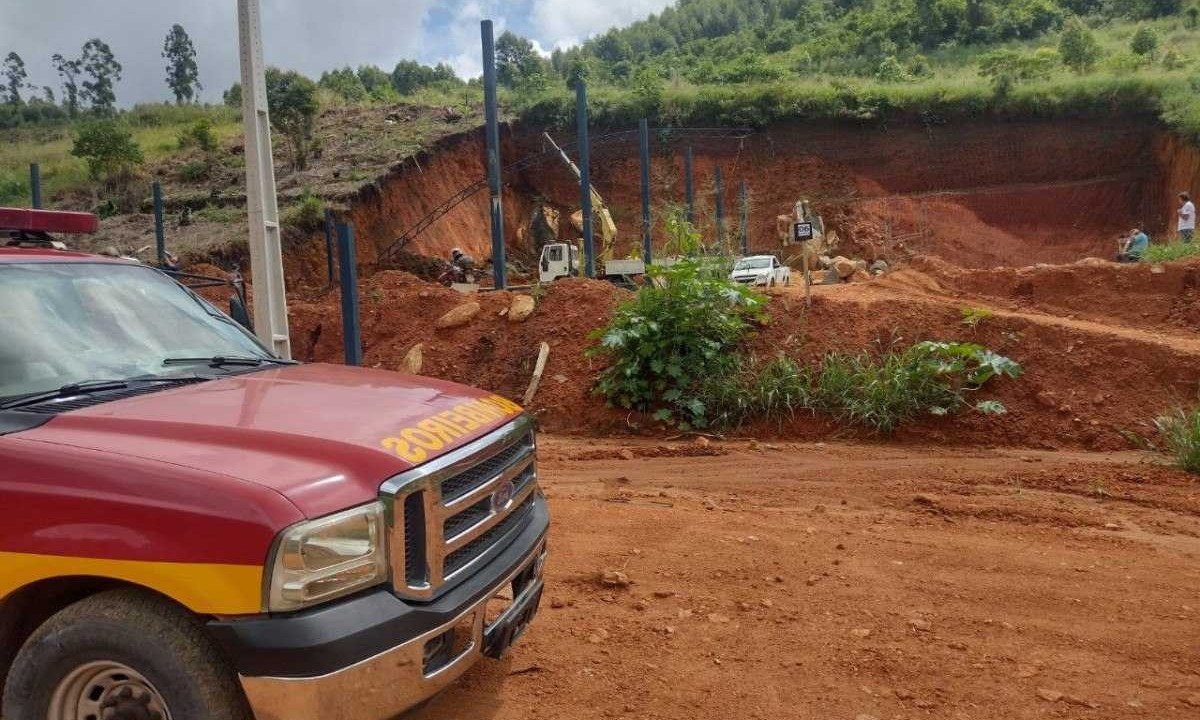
(329, 250)
(35, 185)
(689, 186)
(160, 233)
(644, 132)
(585, 179)
(499, 273)
(745, 202)
(719, 200)
(351, 330)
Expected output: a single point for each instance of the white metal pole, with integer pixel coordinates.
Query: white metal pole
(266, 255)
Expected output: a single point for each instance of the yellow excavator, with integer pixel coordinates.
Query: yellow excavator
(600, 212)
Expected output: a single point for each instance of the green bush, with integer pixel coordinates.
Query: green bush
(195, 170)
(673, 337)
(1180, 432)
(108, 148)
(307, 215)
(14, 190)
(1173, 251)
(198, 134)
(775, 391)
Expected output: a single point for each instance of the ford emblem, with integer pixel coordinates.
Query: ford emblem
(503, 496)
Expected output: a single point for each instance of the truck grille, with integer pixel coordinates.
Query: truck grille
(458, 511)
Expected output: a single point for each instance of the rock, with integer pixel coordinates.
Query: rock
(458, 317)
(844, 267)
(767, 602)
(521, 308)
(1111, 526)
(824, 262)
(598, 637)
(626, 454)
(1081, 702)
(641, 605)
(879, 266)
(614, 578)
(957, 646)
(861, 632)
(664, 594)
(703, 442)
(557, 603)
(860, 264)
(1049, 695)
(717, 618)
(860, 276)
(919, 624)
(902, 694)
(414, 360)
(1026, 671)
(560, 379)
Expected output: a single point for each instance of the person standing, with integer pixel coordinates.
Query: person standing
(1187, 217)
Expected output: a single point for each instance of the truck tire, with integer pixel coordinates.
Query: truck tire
(122, 654)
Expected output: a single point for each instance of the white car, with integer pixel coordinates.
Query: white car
(761, 270)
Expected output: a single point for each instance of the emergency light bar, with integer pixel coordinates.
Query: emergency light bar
(47, 221)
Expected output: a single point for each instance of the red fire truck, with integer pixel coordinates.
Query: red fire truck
(191, 528)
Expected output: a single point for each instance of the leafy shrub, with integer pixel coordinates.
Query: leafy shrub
(1144, 42)
(1170, 252)
(198, 134)
(1180, 432)
(1078, 46)
(307, 215)
(1006, 68)
(929, 378)
(195, 170)
(108, 148)
(891, 71)
(14, 190)
(775, 391)
(1173, 59)
(673, 337)
(972, 317)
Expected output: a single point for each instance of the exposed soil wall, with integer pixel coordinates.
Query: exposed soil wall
(982, 194)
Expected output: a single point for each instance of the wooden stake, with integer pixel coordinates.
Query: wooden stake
(538, 369)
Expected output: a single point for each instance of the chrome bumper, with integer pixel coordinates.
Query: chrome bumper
(383, 686)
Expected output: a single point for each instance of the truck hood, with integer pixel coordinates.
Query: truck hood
(324, 436)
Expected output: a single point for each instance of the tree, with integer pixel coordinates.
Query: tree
(69, 71)
(108, 149)
(648, 88)
(1144, 43)
(233, 96)
(292, 99)
(377, 83)
(183, 75)
(104, 70)
(14, 78)
(410, 76)
(345, 83)
(517, 63)
(1078, 46)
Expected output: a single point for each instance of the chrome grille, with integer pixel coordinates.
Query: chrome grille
(446, 517)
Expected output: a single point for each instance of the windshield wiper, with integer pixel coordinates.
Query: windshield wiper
(225, 360)
(80, 388)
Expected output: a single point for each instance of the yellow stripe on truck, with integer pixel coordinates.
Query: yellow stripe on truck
(436, 432)
(210, 589)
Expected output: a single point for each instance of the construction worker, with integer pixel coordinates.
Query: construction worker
(1187, 217)
(1134, 247)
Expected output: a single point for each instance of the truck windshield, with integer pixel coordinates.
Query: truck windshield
(64, 323)
(753, 264)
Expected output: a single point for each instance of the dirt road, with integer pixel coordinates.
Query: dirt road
(855, 581)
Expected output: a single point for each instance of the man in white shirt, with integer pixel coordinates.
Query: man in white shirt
(1187, 217)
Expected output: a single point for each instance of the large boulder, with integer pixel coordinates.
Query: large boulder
(844, 266)
(521, 308)
(458, 317)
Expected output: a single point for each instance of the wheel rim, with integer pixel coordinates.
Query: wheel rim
(106, 690)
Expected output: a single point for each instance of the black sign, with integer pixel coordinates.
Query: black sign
(802, 231)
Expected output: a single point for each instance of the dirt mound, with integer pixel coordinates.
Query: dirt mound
(399, 311)
(1166, 296)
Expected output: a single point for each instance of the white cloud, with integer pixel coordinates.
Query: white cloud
(564, 22)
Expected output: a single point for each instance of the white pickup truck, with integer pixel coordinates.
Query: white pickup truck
(761, 270)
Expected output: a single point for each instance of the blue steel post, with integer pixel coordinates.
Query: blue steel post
(499, 274)
(352, 331)
(745, 229)
(35, 185)
(160, 235)
(719, 200)
(329, 250)
(585, 179)
(644, 132)
(689, 186)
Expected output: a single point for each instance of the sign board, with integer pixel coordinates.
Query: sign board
(802, 231)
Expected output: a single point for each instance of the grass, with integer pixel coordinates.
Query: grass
(1180, 431)
(156, 130)
(1172, 251)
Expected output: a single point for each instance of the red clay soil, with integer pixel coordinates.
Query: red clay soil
(848, 582)
(1087, 383)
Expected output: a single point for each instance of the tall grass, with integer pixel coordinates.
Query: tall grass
(1180, 431)
(1173, 251)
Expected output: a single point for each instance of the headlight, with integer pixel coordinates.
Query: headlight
(327, 558)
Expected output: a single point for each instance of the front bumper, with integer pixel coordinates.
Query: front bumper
(429, 646)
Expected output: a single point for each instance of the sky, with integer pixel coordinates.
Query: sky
(305, 35)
